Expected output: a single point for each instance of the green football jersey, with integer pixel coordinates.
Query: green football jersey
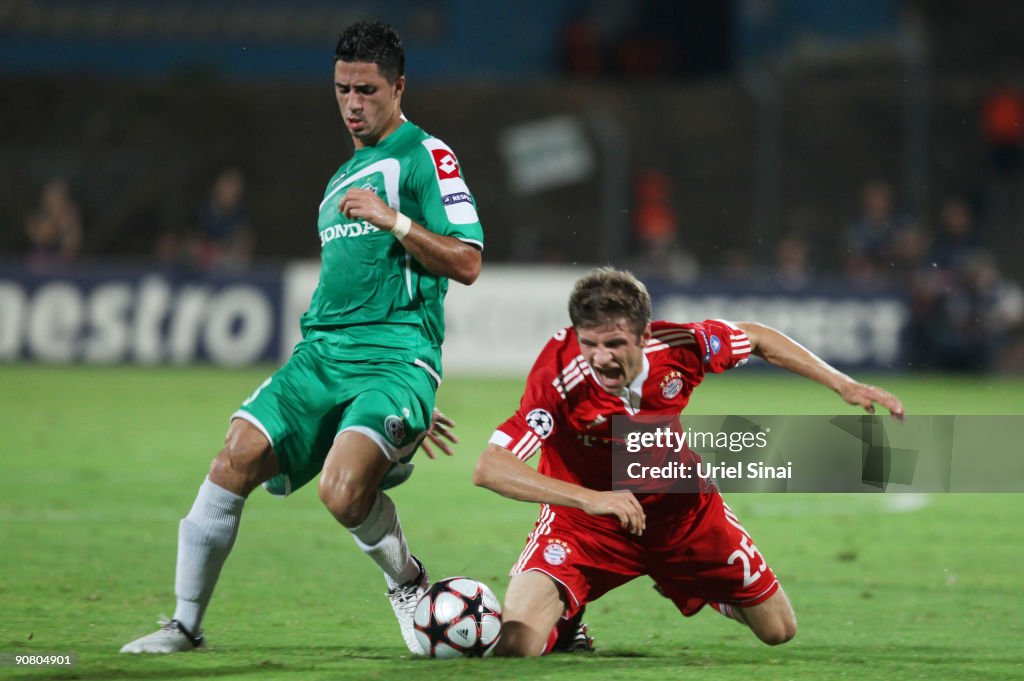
(374, 301)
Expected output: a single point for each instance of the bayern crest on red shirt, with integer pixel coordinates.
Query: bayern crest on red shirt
(556, 552)
(671, 385)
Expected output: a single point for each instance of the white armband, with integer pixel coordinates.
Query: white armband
(402, 226)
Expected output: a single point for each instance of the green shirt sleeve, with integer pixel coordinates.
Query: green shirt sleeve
(447, 205)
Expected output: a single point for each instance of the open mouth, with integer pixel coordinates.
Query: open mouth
(610, 378)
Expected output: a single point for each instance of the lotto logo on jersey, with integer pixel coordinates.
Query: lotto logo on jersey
(447, 166)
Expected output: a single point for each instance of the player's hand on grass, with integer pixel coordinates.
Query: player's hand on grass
(622, 505)
(440, 431)
(363, 204)
(863, 395)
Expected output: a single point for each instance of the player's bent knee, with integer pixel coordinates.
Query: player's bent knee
(777, 632)
(348, 502)
(241, 471)
(227, 473)
(518, 640)
(773, 621)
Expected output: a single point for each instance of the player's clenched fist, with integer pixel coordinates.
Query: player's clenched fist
(622, 505)
(363, 204)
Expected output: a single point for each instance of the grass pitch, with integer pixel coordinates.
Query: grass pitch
(100, 464)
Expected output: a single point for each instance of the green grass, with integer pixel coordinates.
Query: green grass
(100, 464)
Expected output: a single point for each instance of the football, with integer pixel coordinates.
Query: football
(458, 617)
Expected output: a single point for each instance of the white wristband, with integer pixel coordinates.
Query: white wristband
(402, 226)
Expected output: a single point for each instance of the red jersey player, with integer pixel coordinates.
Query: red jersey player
(589, 539)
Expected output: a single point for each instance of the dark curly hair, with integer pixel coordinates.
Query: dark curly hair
(372, 42)
(607, 295)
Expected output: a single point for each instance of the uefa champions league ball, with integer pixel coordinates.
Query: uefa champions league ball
(458, 617)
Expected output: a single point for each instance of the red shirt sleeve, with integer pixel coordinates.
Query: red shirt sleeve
(722, 344)
(535, 420)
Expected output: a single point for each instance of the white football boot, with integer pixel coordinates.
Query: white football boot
(171, 637)
(403, 601)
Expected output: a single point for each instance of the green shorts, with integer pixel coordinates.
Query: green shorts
(306, 403)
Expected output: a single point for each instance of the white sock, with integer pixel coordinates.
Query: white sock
(205, 538)
(729, 611)
(380, 537)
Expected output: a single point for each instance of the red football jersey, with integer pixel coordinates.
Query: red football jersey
(567, 415)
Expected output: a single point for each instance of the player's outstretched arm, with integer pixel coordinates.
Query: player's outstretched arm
(445, 256)
(499, 470)
(779, 349)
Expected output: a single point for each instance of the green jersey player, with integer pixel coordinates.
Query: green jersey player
(356, 397)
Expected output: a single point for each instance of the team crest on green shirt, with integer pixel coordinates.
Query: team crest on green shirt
(395, 428)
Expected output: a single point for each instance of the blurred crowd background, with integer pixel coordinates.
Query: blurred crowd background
(791, 144)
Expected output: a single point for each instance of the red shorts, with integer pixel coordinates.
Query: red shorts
(698, 556)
